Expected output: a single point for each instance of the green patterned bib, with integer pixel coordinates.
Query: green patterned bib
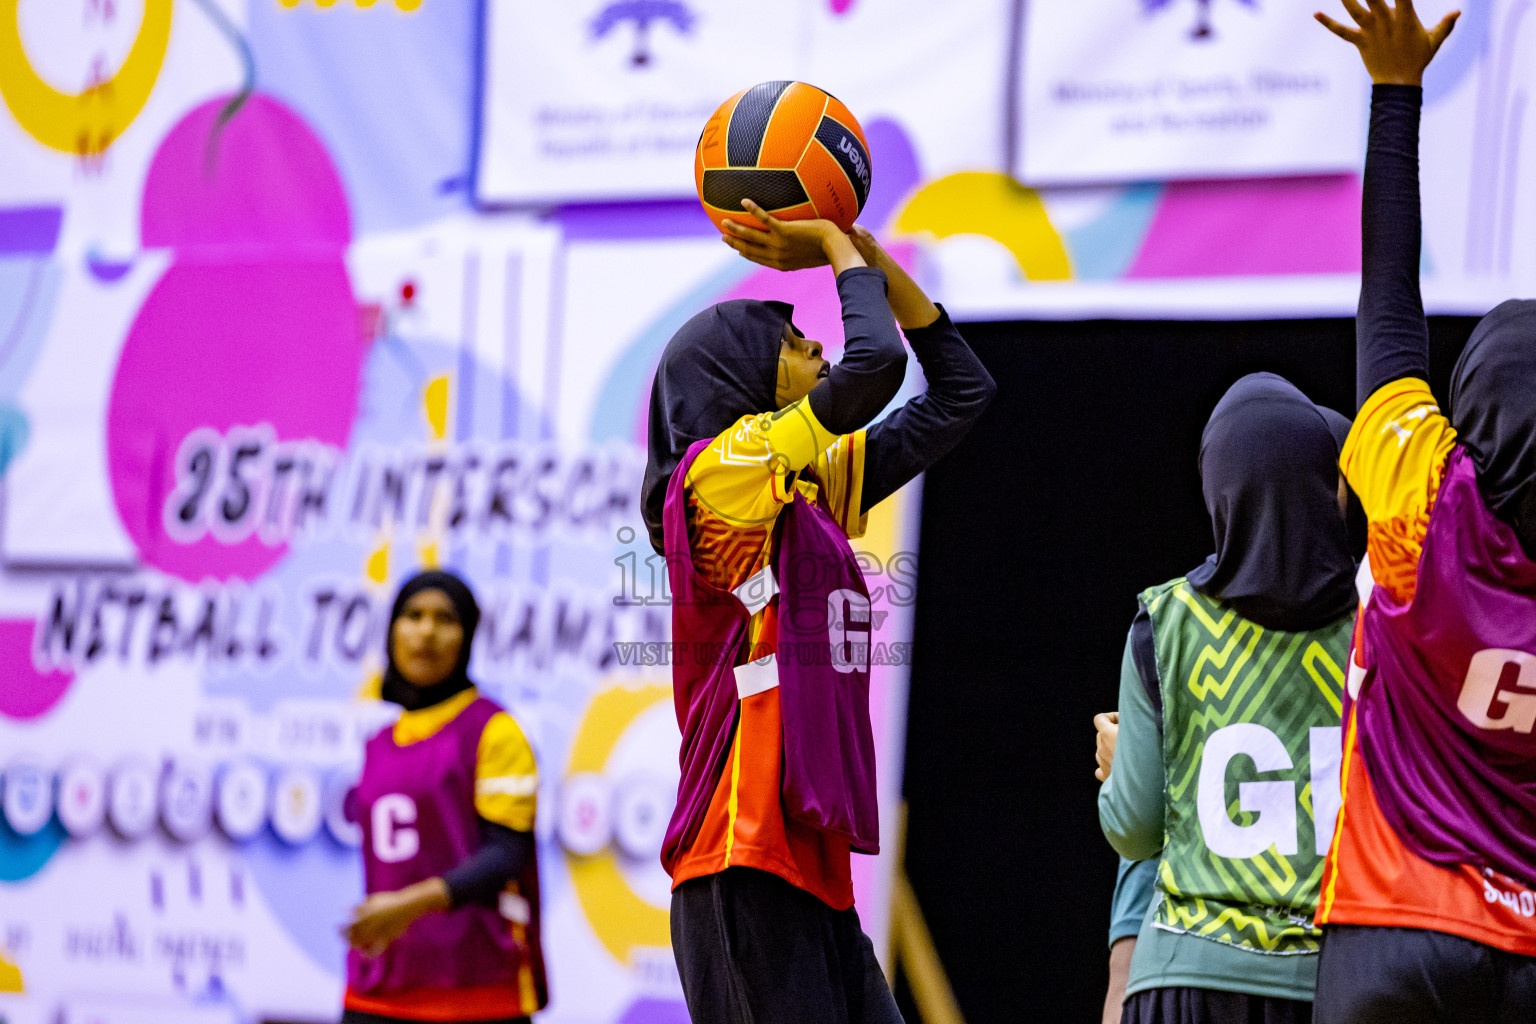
(1251, 745)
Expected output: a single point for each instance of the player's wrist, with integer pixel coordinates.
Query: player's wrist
(429, 895)
(830, 238)
(841, 252)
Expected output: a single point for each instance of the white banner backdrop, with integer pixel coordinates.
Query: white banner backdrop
(594, 99)
(1196, 239)
(605, 99)
(1149, 90)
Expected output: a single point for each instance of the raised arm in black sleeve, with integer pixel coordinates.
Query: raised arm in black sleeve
(874, 360)
(480, 877)
(922, 431)
(1391, 335)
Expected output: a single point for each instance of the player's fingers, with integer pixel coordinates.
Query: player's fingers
(1349, 35)
(1098, 773)
(1114, 716)
(749, 248)
(741, 230)
(1441, 31)
(1356, 11)
(761, 255)
(768, 219)
(763, 261)
(1380, 8)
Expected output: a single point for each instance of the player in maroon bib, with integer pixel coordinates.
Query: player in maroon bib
(1429, 893)
(760, 471)
(450, 928)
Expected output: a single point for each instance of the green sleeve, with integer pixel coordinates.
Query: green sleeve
(1134, 887)
(1131, 799)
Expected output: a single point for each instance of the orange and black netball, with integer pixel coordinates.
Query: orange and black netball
(790, 147)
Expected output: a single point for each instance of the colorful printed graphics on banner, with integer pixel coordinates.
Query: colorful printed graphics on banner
(1149, 90)
(227, 436)
(88, 113)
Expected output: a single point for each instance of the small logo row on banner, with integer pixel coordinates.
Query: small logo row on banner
(187, 799)
(190, 800)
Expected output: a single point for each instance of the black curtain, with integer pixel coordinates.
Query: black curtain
(1077, 490)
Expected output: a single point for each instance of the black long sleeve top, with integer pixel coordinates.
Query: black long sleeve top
(874, 361)
(1391, 334)
(870, 374)
(924, 430)
(480, 877)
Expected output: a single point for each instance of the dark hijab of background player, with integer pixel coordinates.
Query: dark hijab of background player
(396, 687)
(1268, 462)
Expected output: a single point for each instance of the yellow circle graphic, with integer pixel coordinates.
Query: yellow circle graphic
(621, 919)
(996, 207)
(83, 123)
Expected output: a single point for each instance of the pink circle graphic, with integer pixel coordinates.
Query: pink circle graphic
(253, 325)
(262, 179)
(24, 691)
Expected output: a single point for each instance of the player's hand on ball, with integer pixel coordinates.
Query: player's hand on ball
(781, 244)
(867, 244)
(1108, 726)
(1392, 41)
(383, 917)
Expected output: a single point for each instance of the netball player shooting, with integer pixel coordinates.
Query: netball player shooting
(1431, 879)
(450, 929)
(760, 458)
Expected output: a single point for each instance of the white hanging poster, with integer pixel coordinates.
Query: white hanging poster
(1157, 90)
(605, 99)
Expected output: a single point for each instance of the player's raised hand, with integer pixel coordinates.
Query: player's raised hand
(791, 244)
(1108, 726)
(779, 244)
(1392, 41)
(868, 245)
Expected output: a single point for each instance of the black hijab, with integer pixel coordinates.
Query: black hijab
(1493, 407)
(1269, 471)
(402, 691)
(720, 366)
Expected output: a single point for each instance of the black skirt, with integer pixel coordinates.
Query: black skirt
(1209, 1006)
(753, 949)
